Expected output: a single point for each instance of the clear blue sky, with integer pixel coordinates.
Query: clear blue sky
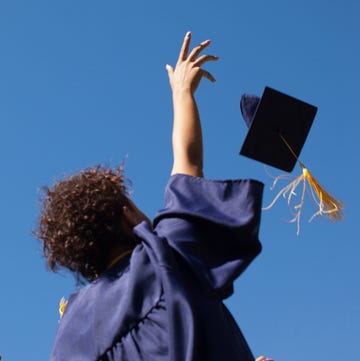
(84, 82)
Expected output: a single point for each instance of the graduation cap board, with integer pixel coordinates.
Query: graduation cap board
(278, 127)
(271, 119)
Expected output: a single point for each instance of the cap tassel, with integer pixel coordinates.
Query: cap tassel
(325, 202)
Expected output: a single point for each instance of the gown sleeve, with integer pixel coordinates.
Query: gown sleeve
(213, 225)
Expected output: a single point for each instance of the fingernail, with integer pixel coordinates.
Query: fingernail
(188, 33)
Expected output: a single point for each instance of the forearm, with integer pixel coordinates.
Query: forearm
(184, 80)
(187, 136)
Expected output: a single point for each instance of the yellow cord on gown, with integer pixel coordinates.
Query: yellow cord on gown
(62, 305)
(325, 202)
(119, 258)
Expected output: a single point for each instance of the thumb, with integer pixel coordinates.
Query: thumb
(169, 69)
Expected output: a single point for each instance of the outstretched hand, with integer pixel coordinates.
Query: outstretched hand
(188, 71)
(184, 80)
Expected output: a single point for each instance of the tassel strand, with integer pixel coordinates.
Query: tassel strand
(325, 203)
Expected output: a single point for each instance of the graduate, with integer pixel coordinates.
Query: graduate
(154, 290)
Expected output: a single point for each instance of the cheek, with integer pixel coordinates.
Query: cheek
(136, 215)
(142, 217)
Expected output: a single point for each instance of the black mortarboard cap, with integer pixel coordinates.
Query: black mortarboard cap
(271, 119)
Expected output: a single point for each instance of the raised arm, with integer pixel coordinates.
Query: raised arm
(184, 80)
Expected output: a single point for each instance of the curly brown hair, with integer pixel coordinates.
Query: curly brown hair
(80, 221)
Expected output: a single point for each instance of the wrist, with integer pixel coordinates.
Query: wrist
(182, 95)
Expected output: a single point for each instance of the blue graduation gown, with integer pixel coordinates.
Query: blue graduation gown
(164, 301)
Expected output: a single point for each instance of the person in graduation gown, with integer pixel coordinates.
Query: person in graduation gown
(155, 290)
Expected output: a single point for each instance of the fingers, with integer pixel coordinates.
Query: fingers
(170, 72)
(263, 358)
(205, 58)
(185, 47)
(188, 71)
(196, 51)
(169, 69)
(207, 75)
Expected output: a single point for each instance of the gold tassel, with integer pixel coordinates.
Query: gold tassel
(325, 202)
